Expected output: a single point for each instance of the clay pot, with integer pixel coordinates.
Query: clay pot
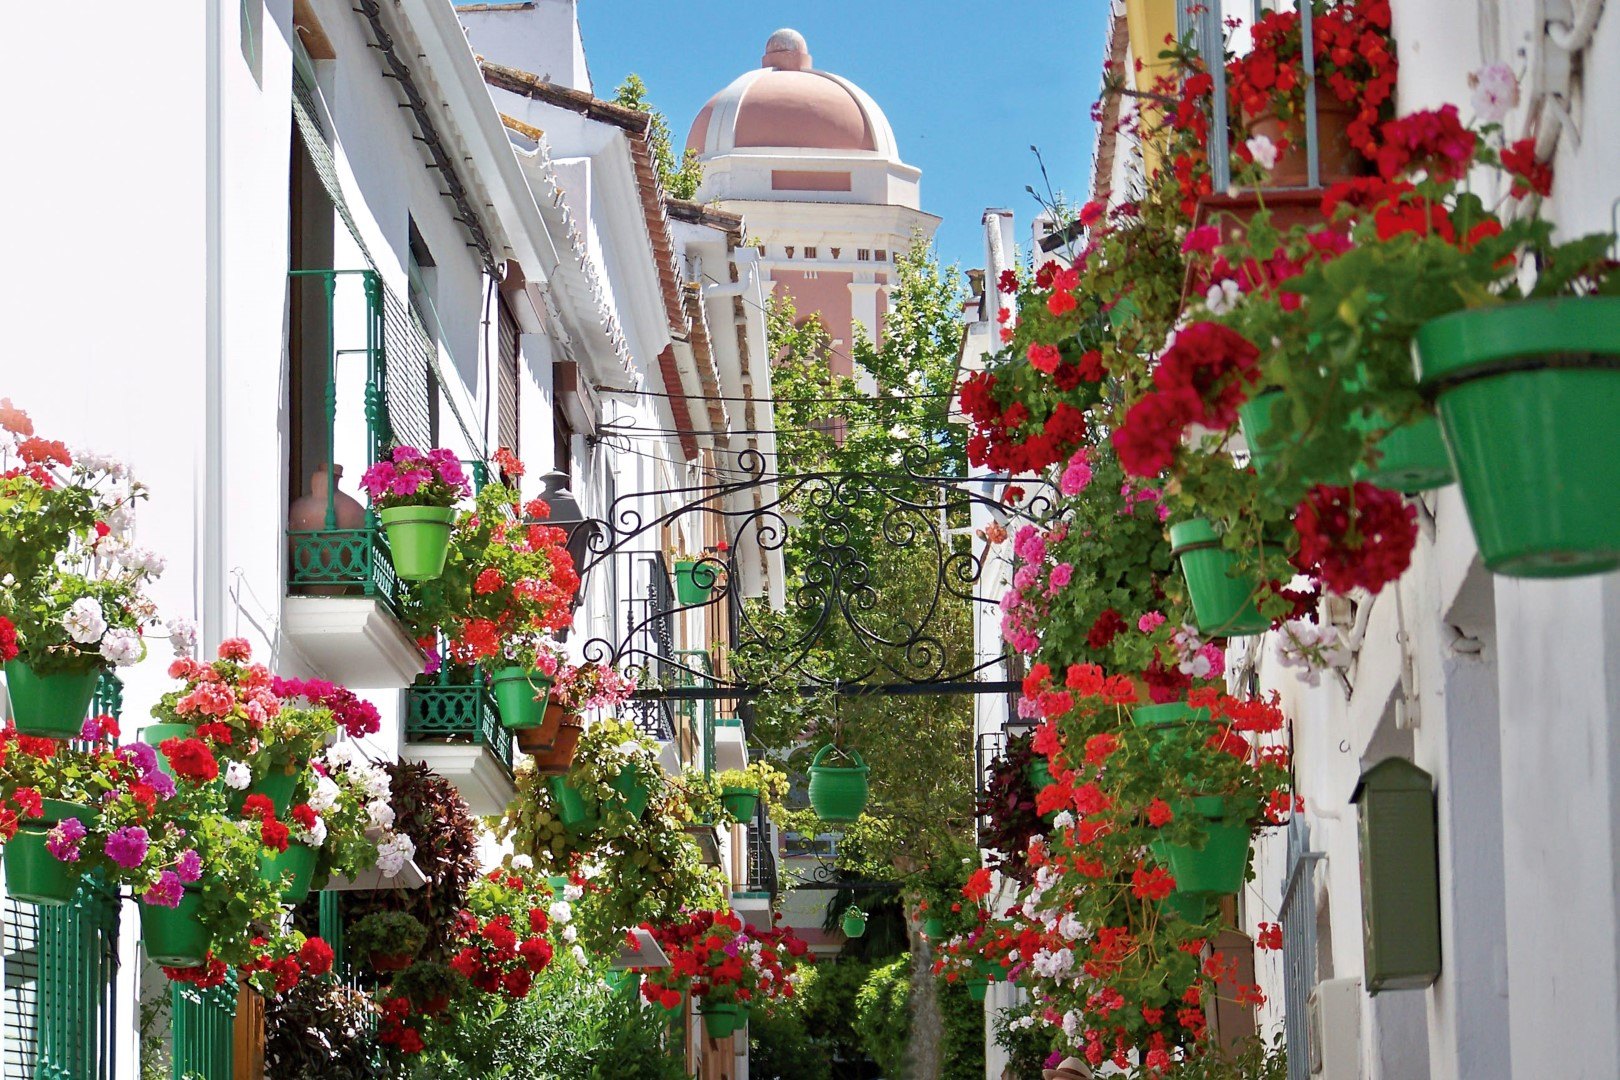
(538, 740)
(1337, 158)
(555, 760)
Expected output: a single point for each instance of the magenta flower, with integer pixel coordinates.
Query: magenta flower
(63, 840)
(127, 846)
(166, 892)
(189, 866)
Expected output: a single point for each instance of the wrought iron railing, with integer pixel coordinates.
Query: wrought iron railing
(761, 857)
(649, 623)
(446, 712)
(695, 669)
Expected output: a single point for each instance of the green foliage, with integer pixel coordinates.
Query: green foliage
(828, 1007)
(572, 1026)
(387, 933)
(1027, 1047)
(780, 1045)
(681, 176)
(961, 1052)
(1254, 1059)
(321, 1030)
(882, 1015)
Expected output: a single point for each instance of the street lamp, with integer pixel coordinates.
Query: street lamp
(566, 515)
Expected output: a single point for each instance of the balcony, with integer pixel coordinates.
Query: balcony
(342, 593)
(756, 887)
(455, 730)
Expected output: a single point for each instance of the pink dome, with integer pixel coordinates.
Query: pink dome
(786, 104)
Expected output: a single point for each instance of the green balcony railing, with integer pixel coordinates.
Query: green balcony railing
(694, 666)
(446, 712)
(203, 1023)
(333, 559)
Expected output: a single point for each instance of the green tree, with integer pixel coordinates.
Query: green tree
(680, 174)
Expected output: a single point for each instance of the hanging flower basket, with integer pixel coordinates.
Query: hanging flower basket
(692, 585)
(854, 924)
(838, 792)
(1223, 605)
(1527, 394)
(278, 786)
(555, 759)
(740, 802)
(933, 928)
(1220, 866)
(174, 937)
(522, 696)
(977, 988)
(298, 861)
(1411, 458)
(1164, 721)
(32, 872)
(720, 1020)
(418, 539)
(1188, 907)
(572, 811)
(633, 786)
(53, 705)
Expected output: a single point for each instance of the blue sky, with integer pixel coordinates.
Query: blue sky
(968, 87)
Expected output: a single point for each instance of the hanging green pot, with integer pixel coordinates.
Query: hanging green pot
(1165, 722)
(854, 924)
(1527, 395)
(1039, 773)
(53, 705)
(1409, 459)
(1223, 605)
(35, 875)
(418, 539)
(1188, 907)
(720, 1020)
(633, 786)
(278, 786)
(741, 803)
(1218, 867)
(174, 937)
(155, 735)
(838, 792)
(933, 928)
(1260, 422)
(692, 585)
(572, 810)
(299, 862)
(977, 988)
(521, 695)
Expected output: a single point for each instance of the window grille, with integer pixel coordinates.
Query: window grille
(1298, 916)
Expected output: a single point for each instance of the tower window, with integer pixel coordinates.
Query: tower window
(810, 253)
(882, 255)
(863, 254)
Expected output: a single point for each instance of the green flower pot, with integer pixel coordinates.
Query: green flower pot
(1188, 907)
(933, 928)
(740, 802)
(155, 735)
(520, 695)
(721, 1021)
(1527, 395)
(418, 539)
(1039, 773)
(1165, 722)
(1411, 458)
(1259, 419)
(54, 705)
(977, 988)
(633, 786)
(278, 787)
(299, 862)
(854, 925)
(1223, 605)
(174, 937)
(1220, 866)
(572, 810)
(32, 872)
(838, 792)
(693, 585)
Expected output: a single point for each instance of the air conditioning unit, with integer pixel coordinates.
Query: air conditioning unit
(1334, 1016)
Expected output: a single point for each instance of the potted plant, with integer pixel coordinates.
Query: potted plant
(578, 689)
(696, 575)
(728, 966)
(388, 939)
(429, 986)
(415, 496)
(853, 922)
(51, 795)
(741, 790)
(838, 792)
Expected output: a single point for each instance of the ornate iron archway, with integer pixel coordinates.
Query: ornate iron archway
(834, 591)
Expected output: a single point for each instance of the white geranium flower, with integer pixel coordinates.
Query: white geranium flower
(1222, 297)
(561, 911)
(372, 779)
(579, 955)
(1496, 92)
(1264, 152)
(1062, 820)
(84, 621)
(315, 835)
(1070, 927)
(122, 647)
(379, 814)
(182, 635)
(237, 776)
(393, 853)
(569, 934)
(325, 795)
(572, 893)
(522, 862)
